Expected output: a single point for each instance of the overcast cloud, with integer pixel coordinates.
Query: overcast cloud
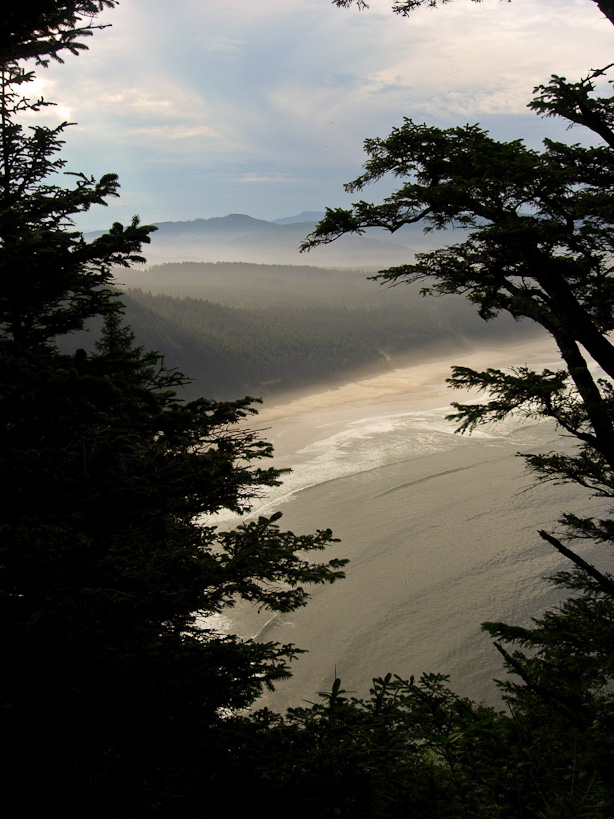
(206, 107)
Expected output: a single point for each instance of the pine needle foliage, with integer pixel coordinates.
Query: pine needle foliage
(116, 684)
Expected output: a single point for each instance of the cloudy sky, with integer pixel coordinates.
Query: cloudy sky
(209, 107)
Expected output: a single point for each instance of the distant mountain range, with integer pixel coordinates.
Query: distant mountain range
(241, 238)
(304, 216)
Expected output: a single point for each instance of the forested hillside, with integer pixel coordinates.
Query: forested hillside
(264, 329)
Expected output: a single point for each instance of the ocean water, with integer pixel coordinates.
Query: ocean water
(440, 529)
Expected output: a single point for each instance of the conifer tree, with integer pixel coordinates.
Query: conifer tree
(537, 232)
(115, 685)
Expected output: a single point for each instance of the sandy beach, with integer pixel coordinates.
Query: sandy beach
(441, 529)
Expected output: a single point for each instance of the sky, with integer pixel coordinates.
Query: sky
(210, 107)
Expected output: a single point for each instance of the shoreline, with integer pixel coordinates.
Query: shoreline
(419, 383)
(415, 508)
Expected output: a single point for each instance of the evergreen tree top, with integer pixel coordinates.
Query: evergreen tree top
(43, 29)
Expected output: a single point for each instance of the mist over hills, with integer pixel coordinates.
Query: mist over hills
(237, 325)
(239, 328)
(248, 284)
(241, 238)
